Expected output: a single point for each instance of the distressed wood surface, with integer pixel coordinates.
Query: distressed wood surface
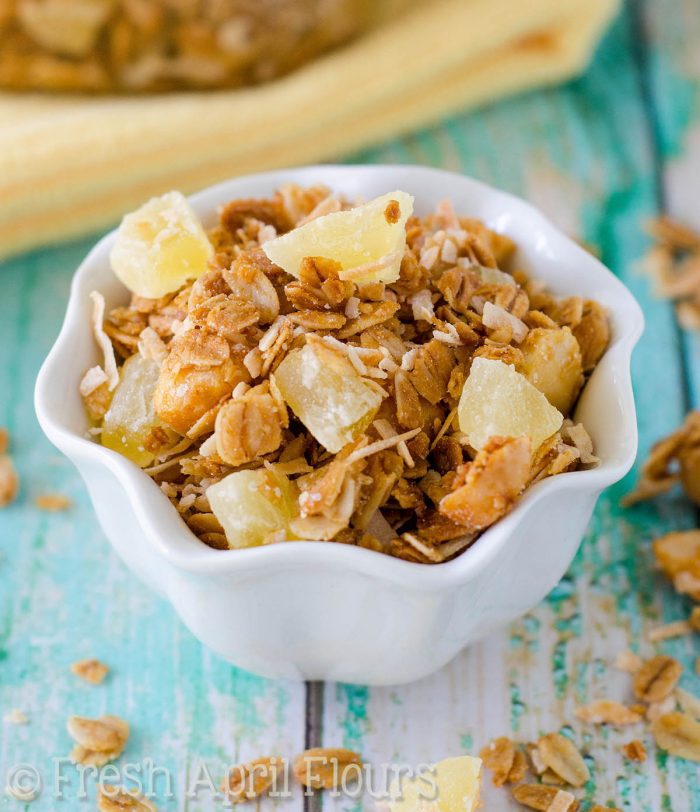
(599, 156)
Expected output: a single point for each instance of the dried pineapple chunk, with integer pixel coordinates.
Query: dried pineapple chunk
(368, 241)
(131, 415)
(160, 246)
(325, 392)
(254, 506)
(497, 401)
(451, 785)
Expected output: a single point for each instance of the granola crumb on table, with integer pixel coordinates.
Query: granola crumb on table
(235, 361)
(90, 670)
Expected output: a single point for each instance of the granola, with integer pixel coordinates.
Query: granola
(656, 678)
(326, 768)
(608, 712)
(140, 45)
(53, 502)
(9, 481)
(98, 741)
(399, 393)
(673, 263)
(118, 799)
(635, 750)
(561, 756)
(673, 460)
(92, 671)
(678, 556)
(679, 734)
(244, 782)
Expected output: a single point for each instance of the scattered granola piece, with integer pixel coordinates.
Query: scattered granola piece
(4, 441)
(118, 799)
(656, 678)
(53, 502)
(519, 769)
(662, 707)
(628, 661)
(326, 767)
(694, 619)
(16, 717)
(635, 750)
(499, 757)
(673, 263)
(9, 481)
(689, 703)
(608, 712)
(92, 671)
(545, 799)
(677, 628)
(244, 782)
(538, 765)
(678, 555)
(98, 741)
(672, 460)
(679, 734)
(562, 757)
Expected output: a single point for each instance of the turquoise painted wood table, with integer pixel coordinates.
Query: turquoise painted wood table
(599, 156)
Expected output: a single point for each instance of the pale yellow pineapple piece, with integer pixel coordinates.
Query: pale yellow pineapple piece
(326, 393)
(368, 241)
(254, 507)
(131, 416)
(497, 401)
(160, 246)
(452, 785)
(552, 363)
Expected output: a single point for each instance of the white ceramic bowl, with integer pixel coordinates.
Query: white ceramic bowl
(315, 610)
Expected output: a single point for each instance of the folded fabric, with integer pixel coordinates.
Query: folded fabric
(70, 165)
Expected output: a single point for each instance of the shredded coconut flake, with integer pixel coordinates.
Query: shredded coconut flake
(92, 379)
(103, 342)
(495, 317)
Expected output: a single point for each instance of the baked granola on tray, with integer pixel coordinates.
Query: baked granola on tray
(315, 369)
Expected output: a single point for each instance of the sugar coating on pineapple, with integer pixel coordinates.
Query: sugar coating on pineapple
(451, 785)
(327, 395)
(131, 416)
(368, 241)
(160, 246)
(497, 401)
(254, 507)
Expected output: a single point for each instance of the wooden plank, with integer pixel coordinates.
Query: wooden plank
(65, 596)
(672, 68)
(580, 153)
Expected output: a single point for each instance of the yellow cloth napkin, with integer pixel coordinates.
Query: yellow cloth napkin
(72, 165)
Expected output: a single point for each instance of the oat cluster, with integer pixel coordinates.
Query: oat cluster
(410, 484)
(673, 460)
(140, 45)
(674, 266)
